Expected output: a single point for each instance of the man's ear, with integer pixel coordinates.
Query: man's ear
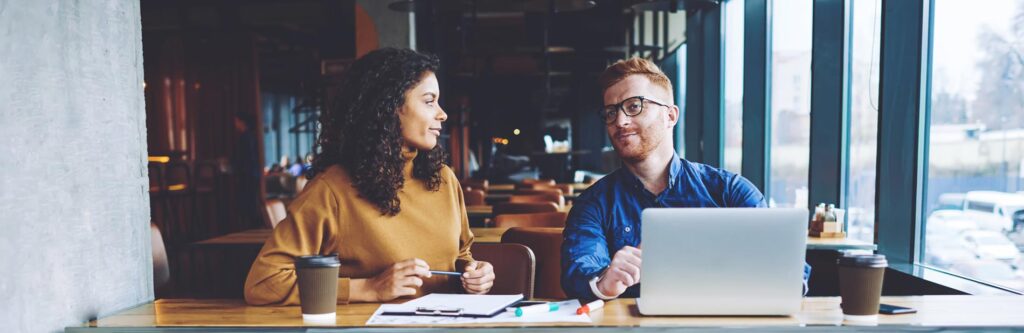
(673, 115)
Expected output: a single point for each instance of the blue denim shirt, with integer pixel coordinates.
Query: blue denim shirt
(606, 217)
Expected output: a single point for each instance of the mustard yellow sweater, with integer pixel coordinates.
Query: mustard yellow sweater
(329, 216)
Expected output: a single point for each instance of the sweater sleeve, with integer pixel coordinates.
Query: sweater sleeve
(310, 228)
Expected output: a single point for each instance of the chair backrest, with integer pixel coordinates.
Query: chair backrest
(555, 198)
(531, 181)
(546, 244)
(546, 191)
(565, 188)
(538, 220)
(523, 207)
(515, 264)
(157, 182)
(161, 267)
(476, 184)
(275, 211)
(475, 197)
(178, 176)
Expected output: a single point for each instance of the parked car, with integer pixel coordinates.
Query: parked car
(993, 210)
(945, 251)
(991, 245)
(948, 223)
(991, 271)
(951, 201)
(1017, 237)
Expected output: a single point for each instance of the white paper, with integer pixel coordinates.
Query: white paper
(566, 314)
(478, 305)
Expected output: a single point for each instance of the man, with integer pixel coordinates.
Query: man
(601, 252)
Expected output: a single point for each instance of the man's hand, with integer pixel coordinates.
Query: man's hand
(622, 273)
(478, 277)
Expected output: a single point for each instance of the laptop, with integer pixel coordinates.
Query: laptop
(722, 261)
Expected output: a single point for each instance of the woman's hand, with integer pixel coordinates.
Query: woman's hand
(478, 278)
(401, 279)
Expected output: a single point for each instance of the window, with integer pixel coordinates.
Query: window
(976, 141)
(791, 103)
(864, 58)
(980, 206)
(681, 101)
(733, 124)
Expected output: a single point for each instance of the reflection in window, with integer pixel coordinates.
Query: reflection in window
(975, 199)
(733, 125)
(864, 58)
(791, 102)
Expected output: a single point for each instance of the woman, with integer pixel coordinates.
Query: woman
(380, 196)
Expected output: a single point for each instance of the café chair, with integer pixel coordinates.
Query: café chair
(546, 244)
(552, 197)
(514, 267)
(475, 197)
(476, 184)
(530, 183)
(523, 207)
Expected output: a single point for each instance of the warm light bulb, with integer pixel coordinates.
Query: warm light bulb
(515, 131)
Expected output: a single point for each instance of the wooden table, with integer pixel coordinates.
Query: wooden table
(481, 211)
(493, 235)
(933, 311)
(499, 188)
(488, 235)
(248, 237)
(487, 211)
(493, 198)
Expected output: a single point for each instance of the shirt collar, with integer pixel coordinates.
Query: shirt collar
(675, 166)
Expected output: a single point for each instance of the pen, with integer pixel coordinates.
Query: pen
(538, 308)
(592, 306)
(445, 273)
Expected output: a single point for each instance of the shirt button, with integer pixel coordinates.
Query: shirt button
(628, 229)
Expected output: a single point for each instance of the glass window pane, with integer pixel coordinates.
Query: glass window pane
(974, 202)
(864, 58)
(733, 125)
(791, 102)
(681, 92)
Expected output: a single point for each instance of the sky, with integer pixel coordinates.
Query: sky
(955, 37)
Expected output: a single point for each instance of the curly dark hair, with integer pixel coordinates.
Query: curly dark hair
(361, 130)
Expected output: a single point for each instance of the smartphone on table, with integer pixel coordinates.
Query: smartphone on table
(892, 309)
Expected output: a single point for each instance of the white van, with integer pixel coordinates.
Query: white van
(996, 211)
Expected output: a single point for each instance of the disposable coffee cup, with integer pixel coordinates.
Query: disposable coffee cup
(860, 285)
(318, 287)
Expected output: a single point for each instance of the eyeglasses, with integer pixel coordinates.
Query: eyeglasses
(632, 107)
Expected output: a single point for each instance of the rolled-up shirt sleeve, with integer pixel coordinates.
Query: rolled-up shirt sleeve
(584, 249)
(740, 192)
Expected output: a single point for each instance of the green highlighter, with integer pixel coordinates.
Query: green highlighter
(537, 308)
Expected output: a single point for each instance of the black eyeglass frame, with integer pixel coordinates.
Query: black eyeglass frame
(610, 116)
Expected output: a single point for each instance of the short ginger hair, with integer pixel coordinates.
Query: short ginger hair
(634, 66)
